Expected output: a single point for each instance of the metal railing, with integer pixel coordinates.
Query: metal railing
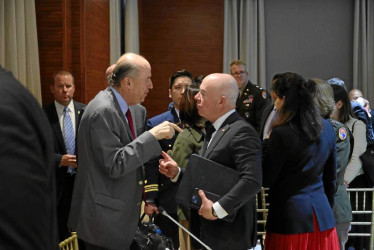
(364, 204)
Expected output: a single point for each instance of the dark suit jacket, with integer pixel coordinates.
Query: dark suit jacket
(59, 148)
(236, 145)
(159, 188)
(301, 177)
(108, 187)
(27, 192)
(251, 104)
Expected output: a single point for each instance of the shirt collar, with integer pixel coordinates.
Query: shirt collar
(122, 103)
(60, 108)
(218, 123)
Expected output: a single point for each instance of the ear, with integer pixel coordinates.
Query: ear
(339, 104)
(51, 87)
(126, 82)
(223, 100)
(170, 93)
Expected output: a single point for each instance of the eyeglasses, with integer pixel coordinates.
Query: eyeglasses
(241, 73)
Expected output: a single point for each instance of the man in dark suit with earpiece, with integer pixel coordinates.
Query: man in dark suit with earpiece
(64, 115)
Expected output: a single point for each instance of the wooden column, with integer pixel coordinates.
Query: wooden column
(73, 35)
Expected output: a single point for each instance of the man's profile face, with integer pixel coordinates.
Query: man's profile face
(63, 89)
(240, 74)
(206, 100)
(178, 88)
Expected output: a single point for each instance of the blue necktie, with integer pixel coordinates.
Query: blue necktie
(69, 137)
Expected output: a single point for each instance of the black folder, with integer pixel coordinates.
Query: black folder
(203, 174)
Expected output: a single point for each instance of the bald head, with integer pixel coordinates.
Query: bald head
(217, 96)
(226, 86)
(133, 59)
(132, 78)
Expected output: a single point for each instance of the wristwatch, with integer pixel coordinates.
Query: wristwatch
(214, 212)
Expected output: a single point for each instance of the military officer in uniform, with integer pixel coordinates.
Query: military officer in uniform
(159, 190)
(252, 99)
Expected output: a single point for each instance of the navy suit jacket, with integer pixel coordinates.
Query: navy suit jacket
(158, 187)
(302, 179)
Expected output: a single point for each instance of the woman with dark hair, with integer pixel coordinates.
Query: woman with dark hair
(191, 139)
(299, 167)
(344, 114)
(187, 143)
(353, 176)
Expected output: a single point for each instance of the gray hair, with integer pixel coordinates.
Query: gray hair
(324, 97)
(123, 69)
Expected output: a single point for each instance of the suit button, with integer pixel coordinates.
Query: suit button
(140, 183)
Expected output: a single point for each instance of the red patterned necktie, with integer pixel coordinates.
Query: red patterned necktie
(129, 119)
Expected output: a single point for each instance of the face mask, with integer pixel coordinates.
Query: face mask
(361, 101)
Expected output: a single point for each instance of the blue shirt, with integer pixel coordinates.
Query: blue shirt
(122, 103)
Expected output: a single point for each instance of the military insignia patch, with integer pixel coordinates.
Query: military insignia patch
(248, 100)
(342, 134)
(264, 94)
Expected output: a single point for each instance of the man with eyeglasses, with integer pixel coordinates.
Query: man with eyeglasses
(252, 99)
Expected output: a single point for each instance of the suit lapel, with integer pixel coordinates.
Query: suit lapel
(221, 132)
(77, 115)
(124, 120)
(55, 123)
(215, 140)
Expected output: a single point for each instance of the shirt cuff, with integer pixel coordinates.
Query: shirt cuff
(175, 179)
(221, 213)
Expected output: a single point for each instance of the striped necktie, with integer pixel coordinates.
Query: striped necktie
(69, 137)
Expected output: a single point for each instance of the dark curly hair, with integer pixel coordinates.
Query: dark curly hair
(299, 108)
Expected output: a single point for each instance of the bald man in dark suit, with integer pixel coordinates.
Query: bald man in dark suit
(235, 144)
